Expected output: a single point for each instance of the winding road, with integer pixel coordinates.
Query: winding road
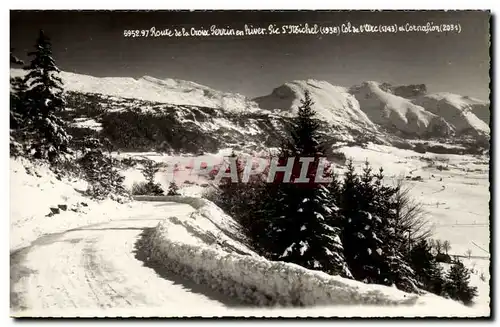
(100, 269)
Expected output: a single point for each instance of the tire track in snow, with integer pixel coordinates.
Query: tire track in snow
(96, 268)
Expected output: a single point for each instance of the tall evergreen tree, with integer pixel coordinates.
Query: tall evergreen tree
(362, 245)
(44, 100)
(396, 268)
(173, 189)
(149, 171)
(100, 170)
(246, 201)
(231, 194)
(17, 92)
(428, 273)
(305, 222)
(373, 245)
(457, 283)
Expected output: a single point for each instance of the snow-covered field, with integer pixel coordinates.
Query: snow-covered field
(446, 180)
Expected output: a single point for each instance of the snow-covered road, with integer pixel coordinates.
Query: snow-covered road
(100, 267)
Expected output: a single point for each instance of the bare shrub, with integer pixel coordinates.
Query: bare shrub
(411, 217)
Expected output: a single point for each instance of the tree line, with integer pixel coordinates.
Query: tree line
(355, 226)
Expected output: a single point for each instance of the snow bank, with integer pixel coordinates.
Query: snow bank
(35, 189)
(247, 275)
(262, 282)
(205, 210)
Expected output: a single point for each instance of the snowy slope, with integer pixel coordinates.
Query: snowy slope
(34, 190)
(332, 103)
(392, 111)
(465, 114)
(148, 88)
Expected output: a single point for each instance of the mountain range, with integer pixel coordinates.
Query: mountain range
(153, 114)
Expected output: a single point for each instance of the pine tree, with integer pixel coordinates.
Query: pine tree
(396, 267)
(429, 274)
(246, 201)
(446, 246)
(100, 170)
(173, 189)
(373, 246)
(231, 195)
(149, 171)
(305, 222)
(17, 108)
(457, 283)
(362, 245)
(44, 100)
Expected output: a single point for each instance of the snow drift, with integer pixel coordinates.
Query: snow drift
(208, 225)
(262, 282)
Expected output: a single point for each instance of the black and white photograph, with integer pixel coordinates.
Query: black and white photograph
(293, 163)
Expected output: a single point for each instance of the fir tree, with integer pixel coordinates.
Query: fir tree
(173, 189)
(149, 171)
(446, 246)
(362, 245)
(100, 170)
(44, 100)
(246, 201)
(231, 196)
(428, 273)
(17, 97)
(457, 283)
(304, 221)
(373, 245)
(396, 267)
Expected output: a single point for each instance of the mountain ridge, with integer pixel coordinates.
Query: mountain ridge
(212, 118)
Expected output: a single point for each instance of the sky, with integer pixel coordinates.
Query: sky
(93, 43)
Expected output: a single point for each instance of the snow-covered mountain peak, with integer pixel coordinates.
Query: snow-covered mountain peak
(465, 113)
(175, 84)
(332, 103)
(147, 88)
